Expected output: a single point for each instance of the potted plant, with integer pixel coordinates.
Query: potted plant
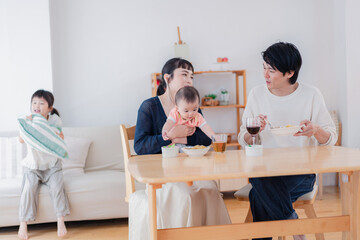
(210, 100)
(224, 97)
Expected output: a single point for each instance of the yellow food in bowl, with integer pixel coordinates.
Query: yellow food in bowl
(199, 147)
(289, 125)
(196, 147)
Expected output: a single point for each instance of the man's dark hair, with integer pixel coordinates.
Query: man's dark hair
(284, 57)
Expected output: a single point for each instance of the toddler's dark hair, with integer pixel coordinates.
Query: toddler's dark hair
(49, 98)
(188, 93)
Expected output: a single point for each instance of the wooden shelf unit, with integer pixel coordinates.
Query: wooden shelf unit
(237, 105)
(224, 106)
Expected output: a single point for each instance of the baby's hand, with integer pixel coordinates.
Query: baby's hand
(164, 135)
(29, 117)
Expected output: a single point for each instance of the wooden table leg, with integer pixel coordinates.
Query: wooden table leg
(321, 188)
(355, 206)
(345, 199)
(350, 203)
(152, 210)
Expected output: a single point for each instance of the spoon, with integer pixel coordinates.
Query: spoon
(267, 121)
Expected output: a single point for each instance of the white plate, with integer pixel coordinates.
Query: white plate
(195, 152)
(285, 131)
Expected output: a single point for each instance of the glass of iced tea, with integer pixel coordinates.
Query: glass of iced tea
(219, 142)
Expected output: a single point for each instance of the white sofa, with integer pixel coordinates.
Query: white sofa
(97, 194)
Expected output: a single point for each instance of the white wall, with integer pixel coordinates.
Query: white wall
(352, 72)
(340, 65)
(105, 51)
(25, 56)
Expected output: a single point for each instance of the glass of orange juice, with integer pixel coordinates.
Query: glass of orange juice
(219, 142)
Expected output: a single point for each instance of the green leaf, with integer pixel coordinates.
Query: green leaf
(213, 96)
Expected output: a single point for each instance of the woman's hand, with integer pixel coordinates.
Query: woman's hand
(179, 140)
(165, 135)
(309, 129)
(180, 131)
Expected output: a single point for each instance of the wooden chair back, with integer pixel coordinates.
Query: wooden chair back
(338, 125)
(127, 134)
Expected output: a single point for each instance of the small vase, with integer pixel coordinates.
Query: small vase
(224, 98)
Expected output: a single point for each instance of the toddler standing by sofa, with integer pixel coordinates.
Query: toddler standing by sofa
(187, 101)
(42, 168)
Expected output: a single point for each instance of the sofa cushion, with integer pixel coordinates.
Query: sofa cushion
(102, 153)
(78, 149)
(11, 154)
(93, 195)
(10, 188)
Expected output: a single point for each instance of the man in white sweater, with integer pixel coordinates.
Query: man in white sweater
(284, 101)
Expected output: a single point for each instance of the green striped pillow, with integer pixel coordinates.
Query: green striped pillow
(42, 136)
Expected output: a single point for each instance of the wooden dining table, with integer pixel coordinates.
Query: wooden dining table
(155, 171)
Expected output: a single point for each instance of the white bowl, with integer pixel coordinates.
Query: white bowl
(170, 152)
(254, 150)
(195, 152)
(285, 131)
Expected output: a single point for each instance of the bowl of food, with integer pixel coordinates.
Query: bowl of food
(170, 151)
(287, 130)
(195, 151)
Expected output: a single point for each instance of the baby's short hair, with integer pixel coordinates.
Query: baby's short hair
(188, 93)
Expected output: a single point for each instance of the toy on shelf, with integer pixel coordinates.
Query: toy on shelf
(221, 64)
(221, 60)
